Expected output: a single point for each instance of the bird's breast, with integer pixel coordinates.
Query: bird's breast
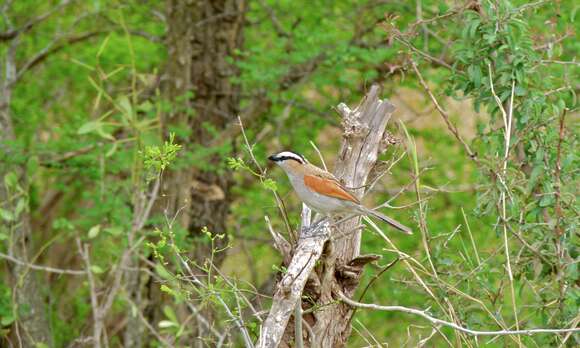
(316, 201)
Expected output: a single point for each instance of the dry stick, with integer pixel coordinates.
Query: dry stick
(42, 268)
(575, 323)
(425, 55)
(236, 320)
(139, 220)
(149, 326)
(192, 308)
(238, 293)
(436, 321)
(97, 314)
(319, 155)
(309, 248)
(279, 202)
(507, 120)
(558, 186)
(422, 213)
(375, 277)
(406, 258)
(471, 238)
(443, 113)
(452, 128)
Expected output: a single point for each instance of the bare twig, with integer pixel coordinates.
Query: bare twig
(443, 113)
(274, 19)
(11, 34)
(289, 290)
(279, 202)
(149, 326)
(53, 47)
(319, 154)
(507, 119)
(42, 268)
(195, 280)
(363, 131)
(439, 322)
(373, 279)
(98, 323)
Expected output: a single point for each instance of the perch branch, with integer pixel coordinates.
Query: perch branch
(363, 127)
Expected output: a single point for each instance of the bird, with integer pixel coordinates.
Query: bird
(321, 191)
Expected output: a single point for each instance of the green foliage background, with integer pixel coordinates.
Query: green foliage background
(85, 100)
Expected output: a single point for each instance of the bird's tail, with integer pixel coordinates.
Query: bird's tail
(396, 224)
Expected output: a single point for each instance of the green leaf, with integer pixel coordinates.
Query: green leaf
(7, 320)
(164, 324)
(126, 107)
(96, 269)
(546, 201)
(270, 185)
(103, 45)
(114, 230)
(112, 150)
(170, 314)
(10, 180)
(89, 127)
(20, 206)
(102, 133)
(163, 273)
(6, 215)
(94, 231)
(167, 289)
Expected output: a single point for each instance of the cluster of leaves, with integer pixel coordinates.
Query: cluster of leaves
(496, 47)
(88, 101)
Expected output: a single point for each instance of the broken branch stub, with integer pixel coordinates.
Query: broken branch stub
(363, 131)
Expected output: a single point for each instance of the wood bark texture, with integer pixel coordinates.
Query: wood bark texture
(203, 36)
(340, 265)
(32, 322)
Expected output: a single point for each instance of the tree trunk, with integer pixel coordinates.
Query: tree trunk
(202, 37)
(32, 320)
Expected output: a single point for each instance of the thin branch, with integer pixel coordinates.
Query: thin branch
(443, 113)
(97, 313)
(319, 154)
(507, 119)
(557, 175)
(54, 47)
(274, 19)
(373, 279)
(195, 280)
(424, 54)
(279, 202)
(149, 326)
(438, 322)
(12, 34)
(42, 268)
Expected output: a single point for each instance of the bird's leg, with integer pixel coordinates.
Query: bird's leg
(318, 223)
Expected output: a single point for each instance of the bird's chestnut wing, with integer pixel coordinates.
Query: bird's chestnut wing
(328, 187)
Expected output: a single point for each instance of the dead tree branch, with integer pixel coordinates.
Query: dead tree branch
(439, 322)
(363, 131)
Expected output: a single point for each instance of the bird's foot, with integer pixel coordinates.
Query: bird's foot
(310, 232)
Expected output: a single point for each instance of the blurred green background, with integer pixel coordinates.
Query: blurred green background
(92, 90)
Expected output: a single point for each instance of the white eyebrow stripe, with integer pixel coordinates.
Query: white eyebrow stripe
(291, 155)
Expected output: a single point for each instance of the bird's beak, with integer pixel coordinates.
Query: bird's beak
(272, 158)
